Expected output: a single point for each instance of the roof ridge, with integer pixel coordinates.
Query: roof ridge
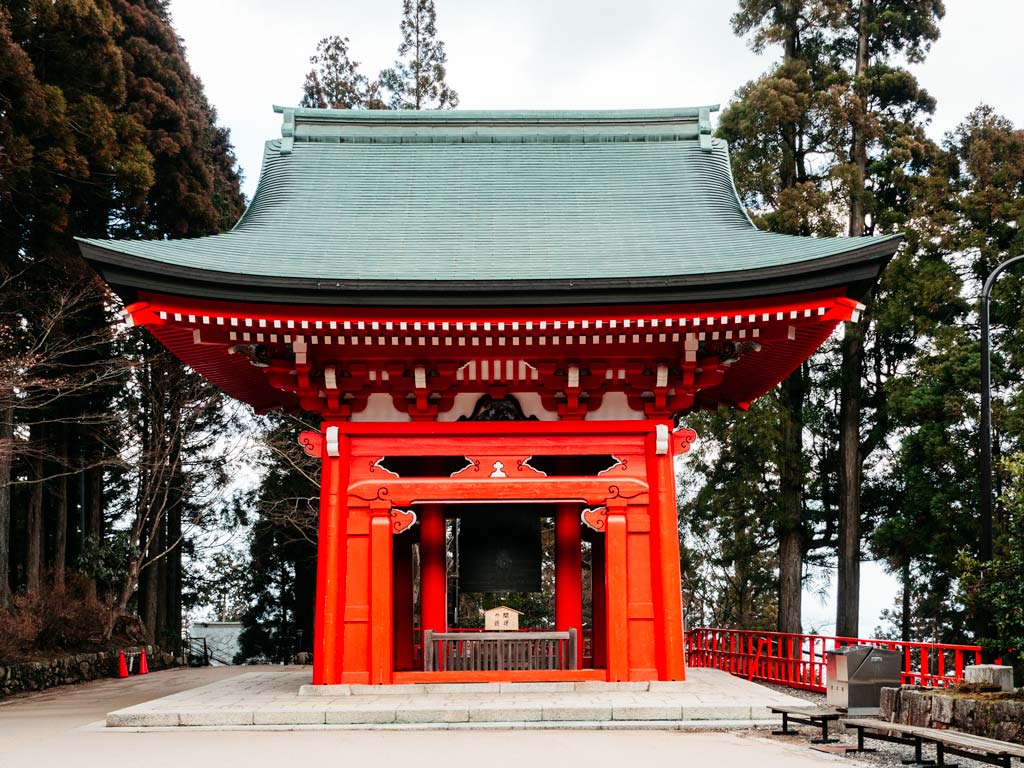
(397, 126)
(526, 116)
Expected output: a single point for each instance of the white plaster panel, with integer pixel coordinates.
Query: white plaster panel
(614, 407)
(380, 407)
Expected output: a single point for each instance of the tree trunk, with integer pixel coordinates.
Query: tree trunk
(172, 575)
(6, 457)
(94, 514)
(149, 593)
(850, 468)
(858, 152)
(34, 522)
(790, 529)
(148, 598)
(60, 507)
(848, 577)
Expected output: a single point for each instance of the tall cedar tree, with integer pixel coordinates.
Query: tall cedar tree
(969, 208)
(335, 82)
(112, 136)
(417, 80)
(778, 127)
(824, 120)
(884, 108)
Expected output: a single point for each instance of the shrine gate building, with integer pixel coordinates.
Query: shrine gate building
(498, 317)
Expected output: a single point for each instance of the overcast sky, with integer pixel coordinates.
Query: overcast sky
(567, 54)
(555, 54)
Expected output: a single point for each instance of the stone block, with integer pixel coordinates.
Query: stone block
(303, 716)
(942, 709)
(669, 686)
(142, 719)
(499, 712)
(579, 712)
(916, 705)
(718, 713)
(361, 716)
(646, 712)
(325, 690)
(1008, 721)
(888, 705)
(990, 674)
(215, 717)
(536, 687)
(421, 713)
(458, 688)
(964, 714)
(600, 686)
(406, 689)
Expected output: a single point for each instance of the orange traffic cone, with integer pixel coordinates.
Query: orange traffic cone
(122, 668)
(143, 665)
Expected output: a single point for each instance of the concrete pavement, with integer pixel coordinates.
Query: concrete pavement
(276, 696)
(53, 729)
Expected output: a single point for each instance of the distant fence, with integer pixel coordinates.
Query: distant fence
(798, 661)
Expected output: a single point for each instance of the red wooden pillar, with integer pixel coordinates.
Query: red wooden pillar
(597, 590)
(569, 574)
(433, 569)
(665, 577)
(402, 584)
(331, 562)
(616, 607)
(381, 599)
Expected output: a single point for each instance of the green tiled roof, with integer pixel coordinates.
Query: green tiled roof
(350, 198)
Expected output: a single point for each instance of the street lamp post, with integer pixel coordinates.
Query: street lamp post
(986, 412)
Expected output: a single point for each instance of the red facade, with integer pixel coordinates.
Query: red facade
(597, 382)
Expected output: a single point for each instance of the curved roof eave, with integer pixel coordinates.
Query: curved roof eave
(856, 268)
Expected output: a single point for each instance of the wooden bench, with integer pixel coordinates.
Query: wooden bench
(967, 745)
(819, 717)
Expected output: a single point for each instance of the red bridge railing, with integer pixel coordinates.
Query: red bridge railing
(798, 661)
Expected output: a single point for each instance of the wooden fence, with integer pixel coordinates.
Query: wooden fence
(487, 651)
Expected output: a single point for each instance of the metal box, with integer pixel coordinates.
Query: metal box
(856, 676)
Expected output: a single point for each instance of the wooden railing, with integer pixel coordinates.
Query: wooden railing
(488, 651)
(798, 661)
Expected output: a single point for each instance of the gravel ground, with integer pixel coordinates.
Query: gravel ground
(887, 756)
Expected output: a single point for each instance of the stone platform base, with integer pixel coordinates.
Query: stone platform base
(271, 698)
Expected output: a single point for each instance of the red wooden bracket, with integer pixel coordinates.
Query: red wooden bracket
(402, 520)
(683, 438)
(311, 442)
(596, 519)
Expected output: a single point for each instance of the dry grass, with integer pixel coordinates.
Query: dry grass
(55, 622)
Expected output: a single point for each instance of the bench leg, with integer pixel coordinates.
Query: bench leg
(940, 755)
(918, 757)
(785, 727)
(860, 740)
(824, 734)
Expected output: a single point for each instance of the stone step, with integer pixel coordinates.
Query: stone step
(589, 686)
(538, 725)
(670, 717)
(272, 699)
